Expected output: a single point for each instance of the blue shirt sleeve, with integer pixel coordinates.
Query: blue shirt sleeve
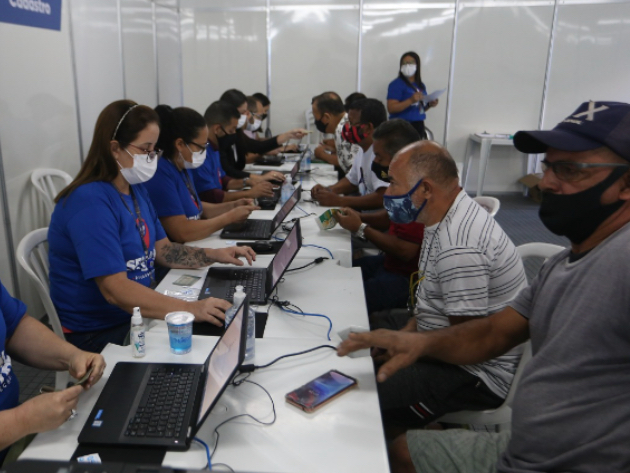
(94, 231)
(164, 192)
(395, 92)
(12, 311)
(208, 175)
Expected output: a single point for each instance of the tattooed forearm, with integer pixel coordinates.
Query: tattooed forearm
(190, 257)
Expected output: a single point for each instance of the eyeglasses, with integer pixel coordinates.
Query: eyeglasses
(151, 154)
(572, 172)
(199, 146)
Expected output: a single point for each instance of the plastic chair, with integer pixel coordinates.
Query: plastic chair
(503, 414)
(490, 204)
(44, 181)
(309, 121)
(32, 254)
(429, 133)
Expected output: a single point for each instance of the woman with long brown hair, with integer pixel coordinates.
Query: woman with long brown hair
(105, 237)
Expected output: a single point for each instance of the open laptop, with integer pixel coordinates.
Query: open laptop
(164, 404)
(258, 283)
(257, 229)
(269, 203)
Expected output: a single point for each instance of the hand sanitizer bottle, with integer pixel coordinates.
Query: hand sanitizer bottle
(137, 334)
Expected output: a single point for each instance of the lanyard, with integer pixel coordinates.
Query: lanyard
(191, 191)
(142, 231)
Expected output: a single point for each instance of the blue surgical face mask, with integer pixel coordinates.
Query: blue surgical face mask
(400, 208)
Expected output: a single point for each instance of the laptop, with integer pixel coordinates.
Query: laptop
(258, 283)
(165, 404)
(257, 229)
(53, 466)
(269, 203)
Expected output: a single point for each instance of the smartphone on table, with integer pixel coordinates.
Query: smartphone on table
(321, 390)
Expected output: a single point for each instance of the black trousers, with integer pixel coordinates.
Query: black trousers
(419, 126)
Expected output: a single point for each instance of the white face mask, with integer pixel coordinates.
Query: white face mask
(241, 121)
(141, 171)
(408, 70)
(254, 126)
(198, 158)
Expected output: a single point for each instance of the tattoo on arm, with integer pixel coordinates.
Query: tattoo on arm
(176, 253)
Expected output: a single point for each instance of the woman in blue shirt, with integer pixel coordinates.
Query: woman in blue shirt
(183, 141)
(405, 93)
(105, 237)
(29, 341)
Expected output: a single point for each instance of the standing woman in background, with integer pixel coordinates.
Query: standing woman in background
(405, 93)
(105, 237)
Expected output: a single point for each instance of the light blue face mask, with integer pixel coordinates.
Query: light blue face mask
(400, 208)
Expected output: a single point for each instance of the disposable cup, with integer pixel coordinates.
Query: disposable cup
(180, 331)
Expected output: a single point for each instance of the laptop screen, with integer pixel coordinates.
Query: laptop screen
(285, 209)
(224, 361)
(295, 170)
(285, 254)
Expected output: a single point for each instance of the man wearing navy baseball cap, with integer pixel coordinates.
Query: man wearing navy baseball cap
(571, 411)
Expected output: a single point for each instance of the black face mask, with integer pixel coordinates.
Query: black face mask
(320, 125)
(227, 140)
(577, 216)
(380, 171)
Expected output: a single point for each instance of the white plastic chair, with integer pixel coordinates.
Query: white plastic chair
(503, 414)
(44, 181)
(490, 204)
(32, 254)
(429, 133)
(309, 121)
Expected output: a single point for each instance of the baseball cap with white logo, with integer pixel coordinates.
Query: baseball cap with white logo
(591, 126)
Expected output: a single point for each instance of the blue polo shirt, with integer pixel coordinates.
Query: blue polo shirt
(93, 233)
(169, 192)
(399, 90)
(11, 312)
(208, 176)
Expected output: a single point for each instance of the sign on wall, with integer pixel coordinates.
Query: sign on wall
(38, 13)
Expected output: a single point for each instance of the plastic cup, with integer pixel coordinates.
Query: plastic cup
(180, 331)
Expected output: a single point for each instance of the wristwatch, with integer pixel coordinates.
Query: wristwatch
(360, 233)
(245, 180)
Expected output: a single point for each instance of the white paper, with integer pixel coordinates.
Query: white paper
(433, 96)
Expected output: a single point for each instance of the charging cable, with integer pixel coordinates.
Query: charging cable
(316, 261)
(284, 306)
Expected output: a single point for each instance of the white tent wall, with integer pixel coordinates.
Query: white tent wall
(512, 64)
(38, 128)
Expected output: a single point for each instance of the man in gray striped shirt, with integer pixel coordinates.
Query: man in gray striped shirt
(468, 269)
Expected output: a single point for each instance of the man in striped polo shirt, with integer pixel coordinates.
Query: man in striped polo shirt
(469, 268)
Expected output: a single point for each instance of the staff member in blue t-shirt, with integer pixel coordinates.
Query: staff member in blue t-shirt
(105, 237)
(405, 93)
(28, 340)
(183, 141)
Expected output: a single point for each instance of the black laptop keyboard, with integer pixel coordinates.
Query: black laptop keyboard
(253, 284)
(163, 405)
(255, 229)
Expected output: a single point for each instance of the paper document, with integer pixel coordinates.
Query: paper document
(431, 97)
